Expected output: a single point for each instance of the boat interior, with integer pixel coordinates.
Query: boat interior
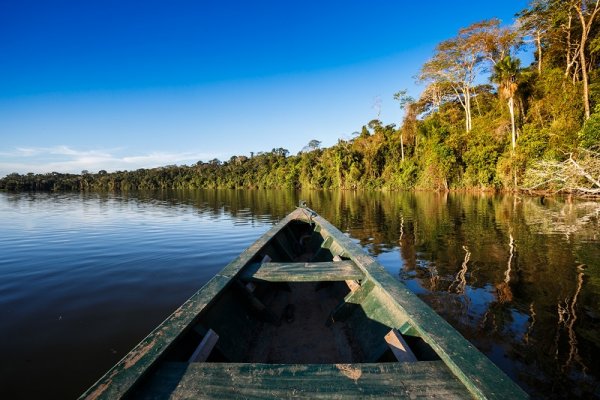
(301, 300)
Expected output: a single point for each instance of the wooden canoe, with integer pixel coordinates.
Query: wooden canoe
(304, 313)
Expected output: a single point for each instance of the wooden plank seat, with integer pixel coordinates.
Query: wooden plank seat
(424, 379)
(302, 272)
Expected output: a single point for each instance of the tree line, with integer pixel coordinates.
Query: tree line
(482, 121)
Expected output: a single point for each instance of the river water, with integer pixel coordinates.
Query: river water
(84, 277)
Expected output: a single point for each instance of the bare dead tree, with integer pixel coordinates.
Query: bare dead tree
(578, 174)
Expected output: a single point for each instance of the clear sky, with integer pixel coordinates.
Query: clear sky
(121, 85)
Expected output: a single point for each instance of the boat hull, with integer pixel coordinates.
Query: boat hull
(304, 312)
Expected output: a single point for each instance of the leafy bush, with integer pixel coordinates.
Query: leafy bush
(589, 136)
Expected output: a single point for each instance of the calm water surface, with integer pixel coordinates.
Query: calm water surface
(84, 277)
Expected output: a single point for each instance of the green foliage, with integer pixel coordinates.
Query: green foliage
(589, 136)
(533, 143)
(555, 108)
(480, 159)
(436, 161)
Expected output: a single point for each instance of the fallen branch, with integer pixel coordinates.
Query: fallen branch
(569, 176)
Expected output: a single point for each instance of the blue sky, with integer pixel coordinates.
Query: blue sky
(121, 85)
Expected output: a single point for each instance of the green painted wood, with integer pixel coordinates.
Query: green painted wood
(306, 381)
(408, 330)
(482, 377)
(335, 249)
(326, 242)
(303, 272)
(378, 307)
(350, 302)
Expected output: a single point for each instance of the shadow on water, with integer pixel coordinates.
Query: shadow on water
(518, 277)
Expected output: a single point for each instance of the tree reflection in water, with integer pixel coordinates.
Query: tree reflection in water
(567, 316)
(503, 288)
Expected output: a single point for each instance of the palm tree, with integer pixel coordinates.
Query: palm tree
(507, 73)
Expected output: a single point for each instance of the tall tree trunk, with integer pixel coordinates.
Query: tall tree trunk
(568, 46)
(402, 145)
(511, 108)
(584, 76)
(468, 119)
(586, 26)
(539, 49)
(465, 102)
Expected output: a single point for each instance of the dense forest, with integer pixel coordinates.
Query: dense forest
(483, 121)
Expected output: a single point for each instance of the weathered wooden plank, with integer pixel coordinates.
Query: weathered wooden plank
(427, 379)
(205, 347)
(398, 345)
(333, 246)
(408, 330)
(369, 321)
(482, 377)
(379, 307)
(240, 261)
(352, 285)
(303, 272)
(350, 302)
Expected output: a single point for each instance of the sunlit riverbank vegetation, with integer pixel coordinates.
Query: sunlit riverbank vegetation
(481, 122)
